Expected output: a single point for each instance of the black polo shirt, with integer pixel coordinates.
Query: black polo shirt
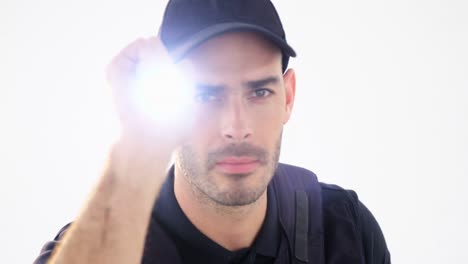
(195, 247)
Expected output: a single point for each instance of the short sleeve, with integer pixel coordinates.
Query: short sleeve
(48, 248)
(375, 247)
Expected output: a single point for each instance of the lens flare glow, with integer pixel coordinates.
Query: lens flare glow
(162, 94)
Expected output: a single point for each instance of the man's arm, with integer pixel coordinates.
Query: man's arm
(112, 225)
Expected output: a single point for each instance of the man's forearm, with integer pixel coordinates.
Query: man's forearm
(113, 224)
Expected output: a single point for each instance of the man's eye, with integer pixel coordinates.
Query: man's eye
(261, 93)
(206, 97)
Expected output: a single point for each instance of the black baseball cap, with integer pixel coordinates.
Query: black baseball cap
(189, 23)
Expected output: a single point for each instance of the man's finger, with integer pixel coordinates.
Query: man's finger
(141, 56)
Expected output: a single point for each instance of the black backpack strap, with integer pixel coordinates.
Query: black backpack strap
(299, 196)
(302, 227)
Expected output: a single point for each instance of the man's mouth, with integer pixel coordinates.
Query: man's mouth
(237, 165)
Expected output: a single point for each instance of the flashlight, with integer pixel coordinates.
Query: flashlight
(162, 94)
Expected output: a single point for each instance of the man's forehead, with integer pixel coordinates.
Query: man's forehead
(233, 55)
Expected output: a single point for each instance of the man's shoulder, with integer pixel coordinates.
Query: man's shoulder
(334, 198)
(332, 194)
(291, 172)
(331, 201)
(340, 203)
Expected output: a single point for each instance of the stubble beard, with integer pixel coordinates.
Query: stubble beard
(200, 174)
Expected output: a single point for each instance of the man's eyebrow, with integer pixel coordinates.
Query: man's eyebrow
(262, 82)
(248, 84)
(208, 87)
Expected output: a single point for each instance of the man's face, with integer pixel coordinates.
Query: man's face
(242, 102)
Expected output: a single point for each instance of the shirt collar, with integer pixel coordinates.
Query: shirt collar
(195, 245)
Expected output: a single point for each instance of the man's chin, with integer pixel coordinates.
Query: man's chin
(237, 198)
(239, 189)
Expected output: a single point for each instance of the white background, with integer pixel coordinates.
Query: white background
(381, 108)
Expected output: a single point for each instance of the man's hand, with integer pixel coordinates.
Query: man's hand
(144, 57)
(144, 141)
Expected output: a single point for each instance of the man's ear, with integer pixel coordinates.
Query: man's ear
(289, 79)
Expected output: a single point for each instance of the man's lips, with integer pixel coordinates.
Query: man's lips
(237, 165)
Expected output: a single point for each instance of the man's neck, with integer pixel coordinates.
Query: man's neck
(232, 227)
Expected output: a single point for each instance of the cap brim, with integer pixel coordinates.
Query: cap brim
(200, 37)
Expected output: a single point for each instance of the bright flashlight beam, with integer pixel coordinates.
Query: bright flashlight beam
(162, 94)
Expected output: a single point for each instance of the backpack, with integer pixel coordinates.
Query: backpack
(318, 228)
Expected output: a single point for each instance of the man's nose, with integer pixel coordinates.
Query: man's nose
(236, 122)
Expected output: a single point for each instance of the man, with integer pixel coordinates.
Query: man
(226, 199)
